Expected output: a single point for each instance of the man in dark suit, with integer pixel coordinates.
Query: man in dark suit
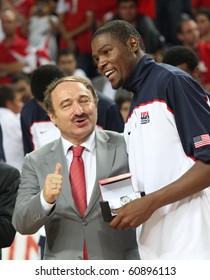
(9, 181)
(2, 155)
(45, 197)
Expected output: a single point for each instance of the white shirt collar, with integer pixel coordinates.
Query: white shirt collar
(89, 144)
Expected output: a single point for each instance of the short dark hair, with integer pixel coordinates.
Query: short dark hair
(19, 77)
(179, 54)
(203, 11)
(42, 77)
(7, 92)
(120, 30)
(184, 18)
(65, 52)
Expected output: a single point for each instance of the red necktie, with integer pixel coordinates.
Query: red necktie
(78, 187)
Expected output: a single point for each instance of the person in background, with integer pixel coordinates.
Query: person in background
(123, 100)
(11, 105)
(76, 22)
(37, 129)
(43, 28)
(183, 58)
(2, 155)
(189, 36)
(9, 182)
(109, 116)
(16, 54)
(21, 82)
(203, 20)
(199, 4)
(45, 196)
(23, 10)
(67, 61)
(168, 143)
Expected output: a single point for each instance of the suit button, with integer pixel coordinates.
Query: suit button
(84, 223)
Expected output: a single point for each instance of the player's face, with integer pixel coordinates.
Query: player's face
(114, 59)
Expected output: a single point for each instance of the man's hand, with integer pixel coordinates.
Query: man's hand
(53, 185)
(132, 214)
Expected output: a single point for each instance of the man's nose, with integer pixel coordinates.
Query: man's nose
(77, 108)
(101, 63)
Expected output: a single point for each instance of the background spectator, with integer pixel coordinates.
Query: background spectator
(16, 55)
(36, 126)
(76, 21)
(203, 20)
(10, 107)
(189, 36)
(43, 28)
(23, 10)
(67, 62)
(183, 58)
(197, 4)
(123, 100)
(21, 82)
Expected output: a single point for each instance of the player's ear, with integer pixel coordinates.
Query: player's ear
(133, 44)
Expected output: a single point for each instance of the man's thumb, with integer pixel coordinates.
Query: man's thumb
(58, 168)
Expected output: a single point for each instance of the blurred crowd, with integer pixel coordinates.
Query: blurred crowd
(34, 33)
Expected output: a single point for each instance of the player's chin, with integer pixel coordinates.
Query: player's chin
(117, 83)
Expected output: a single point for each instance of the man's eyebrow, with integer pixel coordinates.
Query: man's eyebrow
(94, 56)
(101, 48)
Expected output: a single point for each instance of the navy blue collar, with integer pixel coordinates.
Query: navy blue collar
(139, 75)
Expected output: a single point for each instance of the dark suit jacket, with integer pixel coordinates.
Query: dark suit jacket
(9, 181)
(65, 228)
(109, 116)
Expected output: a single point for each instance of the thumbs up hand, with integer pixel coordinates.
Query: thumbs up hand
(57, 168)
(53, 185)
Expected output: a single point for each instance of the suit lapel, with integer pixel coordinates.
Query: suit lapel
(105, 154)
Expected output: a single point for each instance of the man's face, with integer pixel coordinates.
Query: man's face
(8, 23)
(190, 33)
(23, 87)
(128, 11)
(67, 63)
(75, 111)
(203, 24)
(114, 59)
(17, 104)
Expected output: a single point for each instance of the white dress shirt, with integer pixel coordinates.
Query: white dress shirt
(89, 158)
